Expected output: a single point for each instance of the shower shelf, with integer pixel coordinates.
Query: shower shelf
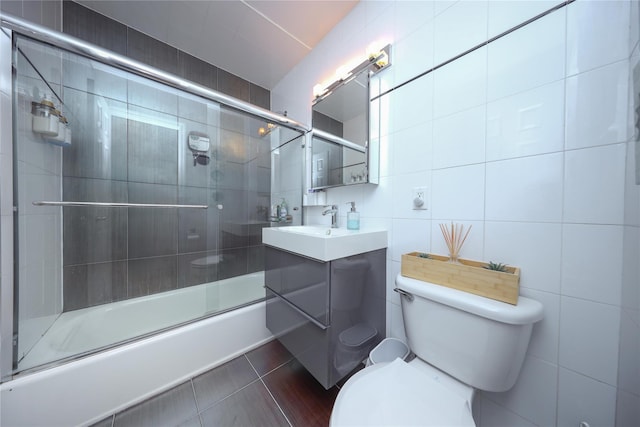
(118, 205)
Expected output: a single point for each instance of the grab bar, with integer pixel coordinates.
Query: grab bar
(118, 205)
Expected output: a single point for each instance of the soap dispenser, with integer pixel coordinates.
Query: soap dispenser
(283, 210)
(353, 218)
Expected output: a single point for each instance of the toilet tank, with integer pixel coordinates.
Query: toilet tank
(479, 341)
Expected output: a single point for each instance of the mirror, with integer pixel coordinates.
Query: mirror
(340, 150)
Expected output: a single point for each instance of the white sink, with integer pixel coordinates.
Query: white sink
(324, 243)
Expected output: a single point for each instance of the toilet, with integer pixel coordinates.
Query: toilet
(462, 343)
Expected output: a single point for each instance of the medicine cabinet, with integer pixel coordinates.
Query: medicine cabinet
(344, 119)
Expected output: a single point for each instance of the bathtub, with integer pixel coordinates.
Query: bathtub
(88, 389)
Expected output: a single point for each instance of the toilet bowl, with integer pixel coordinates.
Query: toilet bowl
(403, 394)
(462, 342)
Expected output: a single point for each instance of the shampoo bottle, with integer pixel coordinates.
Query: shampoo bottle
(353, 218)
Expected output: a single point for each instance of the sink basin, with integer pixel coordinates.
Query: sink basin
(324, 243)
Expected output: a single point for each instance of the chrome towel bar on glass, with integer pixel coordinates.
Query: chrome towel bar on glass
(118, 205)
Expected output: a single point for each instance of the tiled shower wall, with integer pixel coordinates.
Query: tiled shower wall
(528, 139)
(131, 146)
(88, 25)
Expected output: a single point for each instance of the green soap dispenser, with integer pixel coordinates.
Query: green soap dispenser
(353, 218)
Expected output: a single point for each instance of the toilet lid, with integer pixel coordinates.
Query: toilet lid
(398, 394)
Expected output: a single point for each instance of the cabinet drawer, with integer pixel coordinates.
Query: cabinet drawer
(301, 281)
(302, 337)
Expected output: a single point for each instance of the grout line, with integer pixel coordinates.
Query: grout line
(268, 372)
(260, 378)
(251, 364)
(276, 402)
(205, 409)
(195, 397)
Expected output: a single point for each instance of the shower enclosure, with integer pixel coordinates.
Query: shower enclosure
(148, 214)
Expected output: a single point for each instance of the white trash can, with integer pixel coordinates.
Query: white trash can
(388, 350)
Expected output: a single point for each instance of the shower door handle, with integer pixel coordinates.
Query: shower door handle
(118, 205)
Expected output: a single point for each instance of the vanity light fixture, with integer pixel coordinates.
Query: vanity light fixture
(376, 59)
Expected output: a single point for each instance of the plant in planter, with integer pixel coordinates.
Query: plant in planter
(497, 267)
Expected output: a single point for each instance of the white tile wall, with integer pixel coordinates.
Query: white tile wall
(627, 409)
(377, 200)
(596, 102)
(594, 185)
(530, 146)
(415, 17)
(461, 84)
(492, 414)
(603, 41)
(540, 269)
(406, 45)
(589, 333)
(412, 148)
(630, 293)
(410, 235)
(527, 58)
(634, 26)
(632, 190)
(441, 6)
(544, 337)
(460, 27)
(458, 193)
(459, 139)
(525, 189)
(585, 250)
(629, 373)
(412, 104)
(581, 398)
(506, 14)
(528, 123)
(537, 378)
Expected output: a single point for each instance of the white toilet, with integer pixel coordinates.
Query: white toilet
(462, 342)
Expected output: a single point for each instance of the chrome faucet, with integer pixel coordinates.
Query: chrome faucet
(333, 210)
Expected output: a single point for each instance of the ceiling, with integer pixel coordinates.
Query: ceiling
(260, 41)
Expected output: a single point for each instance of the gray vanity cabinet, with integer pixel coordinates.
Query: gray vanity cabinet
(329, 315)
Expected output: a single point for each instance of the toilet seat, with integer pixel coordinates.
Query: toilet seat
(399, 394)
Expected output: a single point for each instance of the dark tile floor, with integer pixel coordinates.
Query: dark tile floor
(264, 387)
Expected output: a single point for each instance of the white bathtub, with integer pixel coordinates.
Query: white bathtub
(91, 388)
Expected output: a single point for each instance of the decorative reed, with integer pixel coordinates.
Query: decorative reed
(453, 236)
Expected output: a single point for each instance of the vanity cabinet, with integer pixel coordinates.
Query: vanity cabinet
(329, 315)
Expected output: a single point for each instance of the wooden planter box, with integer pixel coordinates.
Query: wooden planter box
(469, 276)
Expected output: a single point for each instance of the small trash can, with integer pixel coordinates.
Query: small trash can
(387, 351)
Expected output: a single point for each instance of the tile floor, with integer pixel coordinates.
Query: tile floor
(264, 387)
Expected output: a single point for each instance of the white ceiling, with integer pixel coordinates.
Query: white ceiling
(258, 40)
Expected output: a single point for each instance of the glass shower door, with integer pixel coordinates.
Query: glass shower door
(128, 212)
